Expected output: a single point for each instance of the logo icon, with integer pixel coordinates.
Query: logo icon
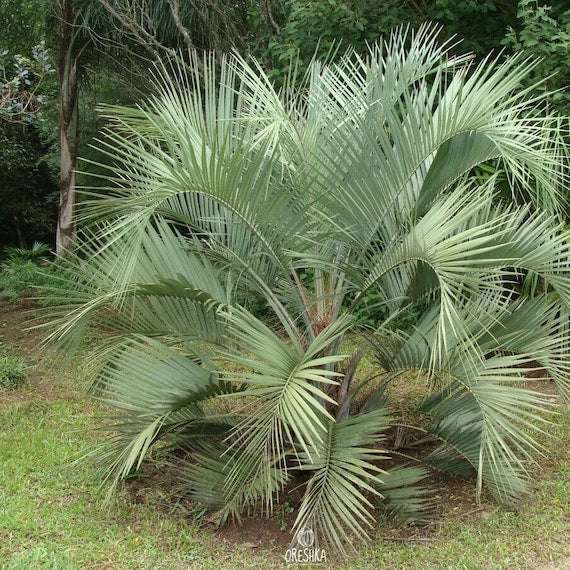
(306, 537)
(306, 550)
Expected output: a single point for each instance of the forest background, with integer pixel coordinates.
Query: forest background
(59, 59)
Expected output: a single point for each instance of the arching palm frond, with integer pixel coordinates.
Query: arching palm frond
(336, 504)
(482, 411)
(151, 409)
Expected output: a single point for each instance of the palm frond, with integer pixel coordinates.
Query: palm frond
(205, 479)
(343, 477)
(487, 420)
(405, 497)
(287, 383)
(173, 290)
(160, 390)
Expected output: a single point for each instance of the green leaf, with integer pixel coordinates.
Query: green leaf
(343, 479)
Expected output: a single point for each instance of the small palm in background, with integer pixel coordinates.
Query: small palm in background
(241, 236)
(22, 269)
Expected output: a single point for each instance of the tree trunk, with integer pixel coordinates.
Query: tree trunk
(68, 130)
(21, 240)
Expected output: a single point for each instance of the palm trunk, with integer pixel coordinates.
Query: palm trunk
(68, 131)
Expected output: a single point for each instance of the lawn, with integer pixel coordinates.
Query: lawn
(53, 512)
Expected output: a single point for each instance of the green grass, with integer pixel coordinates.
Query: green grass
(52, 512)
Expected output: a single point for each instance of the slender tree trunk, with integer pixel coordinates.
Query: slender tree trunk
(21, 240)
(68, 130)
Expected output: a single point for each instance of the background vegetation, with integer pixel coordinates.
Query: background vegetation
(272, 30)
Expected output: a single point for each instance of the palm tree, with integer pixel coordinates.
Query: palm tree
(243, 231)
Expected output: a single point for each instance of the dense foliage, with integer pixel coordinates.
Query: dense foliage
(114, 39)
(544, 32)
(362, 184)
(29, 193)
(28, 187)
(20, 82)
(285, 29)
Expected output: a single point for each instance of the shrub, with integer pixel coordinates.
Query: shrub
(12, 372)
(22, 270)
(356, 194)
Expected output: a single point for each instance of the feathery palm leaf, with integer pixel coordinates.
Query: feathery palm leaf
(336, 504)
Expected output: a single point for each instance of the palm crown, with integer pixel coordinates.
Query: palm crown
(244, 230)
